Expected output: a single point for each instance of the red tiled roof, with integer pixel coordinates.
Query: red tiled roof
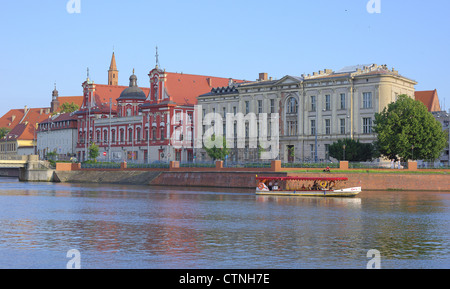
(429, 98)
(185, 88)
(11, 118)
(78, 100)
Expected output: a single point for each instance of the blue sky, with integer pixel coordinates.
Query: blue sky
(41, 43)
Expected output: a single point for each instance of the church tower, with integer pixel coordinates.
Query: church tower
(113, 73)
(54, 106)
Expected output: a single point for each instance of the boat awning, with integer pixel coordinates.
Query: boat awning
(299, 179)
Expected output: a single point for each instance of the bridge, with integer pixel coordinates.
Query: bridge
(30, 167)
(13, 161)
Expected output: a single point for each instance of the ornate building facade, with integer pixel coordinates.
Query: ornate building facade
(314, 110)
(137, 124)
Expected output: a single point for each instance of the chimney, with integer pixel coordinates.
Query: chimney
(13, 118)
(263, 76)
(209, 80)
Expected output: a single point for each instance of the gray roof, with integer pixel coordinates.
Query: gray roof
(133, 92)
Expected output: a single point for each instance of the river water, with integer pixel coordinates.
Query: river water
(113, 226)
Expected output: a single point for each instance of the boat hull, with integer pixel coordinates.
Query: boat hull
(350, 192)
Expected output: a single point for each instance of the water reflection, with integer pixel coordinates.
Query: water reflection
(142, 227)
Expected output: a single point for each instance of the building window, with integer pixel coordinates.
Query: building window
(327, 151)
(247, 107)
(342, 125)
(260, 106)
(234, 110)
(367, 125)
(327, 126)
(313, 126)
(154, 133)
(313, 103)
(292, 128)
(311, 146)
(122, 135)
(138, 134)
(327, 102)
(113, 135)
(292, 105)
(367, 100)
(162, 133)
(272, 105)
(130, 135)
(224, 112)
(342, 100)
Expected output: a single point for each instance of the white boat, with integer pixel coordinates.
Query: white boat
(299, 186)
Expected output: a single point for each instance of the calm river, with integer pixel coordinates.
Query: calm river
(141, 227)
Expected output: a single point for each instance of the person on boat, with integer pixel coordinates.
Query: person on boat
(303, 187)
(275, 186)
(327, 170)
(270, 185)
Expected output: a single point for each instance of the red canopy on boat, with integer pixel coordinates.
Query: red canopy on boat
(299, 179)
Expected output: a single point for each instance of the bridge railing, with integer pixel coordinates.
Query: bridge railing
(5, 157)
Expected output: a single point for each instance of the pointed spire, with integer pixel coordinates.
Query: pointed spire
(113, 63)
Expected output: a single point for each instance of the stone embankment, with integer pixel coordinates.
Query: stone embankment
(220, 177)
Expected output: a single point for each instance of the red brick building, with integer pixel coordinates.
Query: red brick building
(139, 124)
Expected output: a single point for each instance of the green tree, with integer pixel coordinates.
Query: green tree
(68, 107)
(4, 131)
(406, 130)
(214, 152)
(93, 152)
(355, 151)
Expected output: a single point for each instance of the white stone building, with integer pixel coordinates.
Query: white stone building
(325, 106)
(57, 134)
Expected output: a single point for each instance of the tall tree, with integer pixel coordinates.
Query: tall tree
(93, 152)
(406, 131)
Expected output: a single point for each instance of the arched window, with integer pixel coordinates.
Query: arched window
(130, 135)
(162, 130)
(292, 105)
(138, 134)
(122, 135)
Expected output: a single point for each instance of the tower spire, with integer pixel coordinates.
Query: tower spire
(157, 57)
(113, 73)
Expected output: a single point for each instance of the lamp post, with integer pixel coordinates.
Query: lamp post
(109, 133)
(412, 152)
(148, 138)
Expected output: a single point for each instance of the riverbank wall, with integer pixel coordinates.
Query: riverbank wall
(220, 177)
